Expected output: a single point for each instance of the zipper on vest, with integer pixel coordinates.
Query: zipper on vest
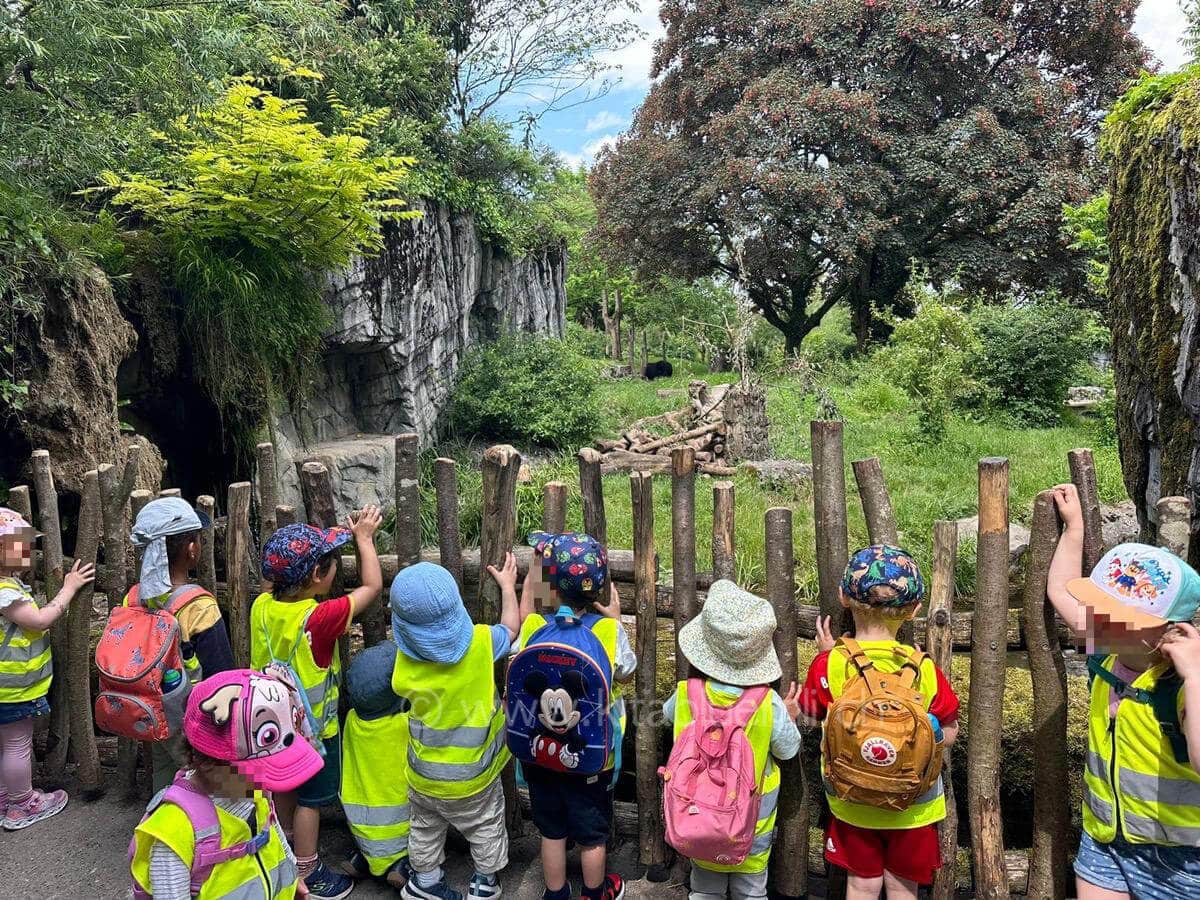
(268, 890)
(1112, 773)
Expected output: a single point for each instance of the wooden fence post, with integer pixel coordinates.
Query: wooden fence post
(829, 515)
(1175, 525)
(876, 504)
(169, 492)
(316, 486)
(501, 464)
(1051, 813)
(1083, 473)
(408, 526)
(554, 507)
(237, 563)
(789, 864)
(594, 521)
(683, 546)
(989, 647)
(52, 567)
(724, 547)
(77, 665)
(284, 515)
(652, 849)
(939, 640)
(445, 483)
(268, 491)
(206, 570)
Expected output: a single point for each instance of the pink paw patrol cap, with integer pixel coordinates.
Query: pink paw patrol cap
(257, 723)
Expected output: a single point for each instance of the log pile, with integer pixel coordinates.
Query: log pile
(700, 425)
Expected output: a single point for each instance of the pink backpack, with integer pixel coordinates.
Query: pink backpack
(138, 647)
(202, 813)
(710, 792)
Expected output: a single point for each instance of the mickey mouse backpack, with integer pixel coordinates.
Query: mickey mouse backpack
(558, 699)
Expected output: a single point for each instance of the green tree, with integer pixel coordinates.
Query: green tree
(1086, 225)
(829, 143)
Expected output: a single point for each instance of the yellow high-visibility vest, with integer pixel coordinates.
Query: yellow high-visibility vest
(456, 745)
(26, 668)
(1132, 779)
(928, 808)
(282, 623)
(265, 875)
(758, 733)
(375, 787)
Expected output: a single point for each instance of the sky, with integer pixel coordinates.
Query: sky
(578, 134)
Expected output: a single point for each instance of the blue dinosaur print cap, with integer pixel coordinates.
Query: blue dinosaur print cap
(883, 566)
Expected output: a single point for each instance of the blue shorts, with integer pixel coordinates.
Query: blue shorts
(322, 788)
(25, 709)
(1149, 871)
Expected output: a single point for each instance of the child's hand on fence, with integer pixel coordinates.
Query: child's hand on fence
(791, 701)
(506, 575)
(364, 525)
(1066, 499)
(1181, 645)
(81, 575)
(612, 609)
(825, 638)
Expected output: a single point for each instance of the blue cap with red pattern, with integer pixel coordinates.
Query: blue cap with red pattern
(291, 553)
(574, 564)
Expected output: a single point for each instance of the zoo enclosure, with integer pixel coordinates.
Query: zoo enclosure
(987, 632)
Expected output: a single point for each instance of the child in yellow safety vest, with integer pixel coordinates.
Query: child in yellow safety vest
(293, 626)
(731, 646)
(445, 669)
(212, 833)
(1141, 784)
(880, 848)
(26, 670)
(375, 768)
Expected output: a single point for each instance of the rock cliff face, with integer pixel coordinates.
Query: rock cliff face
(402, 322)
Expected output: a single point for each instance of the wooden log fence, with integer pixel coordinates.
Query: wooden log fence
(268, 491)
(52, 573)
(988, 631)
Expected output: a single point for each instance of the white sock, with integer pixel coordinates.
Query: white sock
(429, 879)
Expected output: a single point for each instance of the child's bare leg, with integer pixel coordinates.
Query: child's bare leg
(595, 865)
(1085, 890)
(899, 888)
(554, 864)
(285, 808)
(859, 888)
(307, 831)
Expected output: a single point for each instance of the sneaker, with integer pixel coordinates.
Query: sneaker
(355, 866)
(39, 806)
(613, 887)
(484, 887)
(398, 874)
(563, 893)
(326, 884)
(439, 891)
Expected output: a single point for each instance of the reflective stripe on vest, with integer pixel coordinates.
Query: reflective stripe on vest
(758, 733)
(284, 622)
(456, 744)
(374, 790)
(25, 663)
(1141, 792)
(927, 809)
(266, 875)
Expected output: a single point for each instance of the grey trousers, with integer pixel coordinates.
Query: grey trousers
(479, 819)
(709, 885)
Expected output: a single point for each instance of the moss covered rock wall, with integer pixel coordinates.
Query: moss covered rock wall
(1152, 145)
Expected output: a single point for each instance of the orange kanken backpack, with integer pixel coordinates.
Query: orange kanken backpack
(879, 745)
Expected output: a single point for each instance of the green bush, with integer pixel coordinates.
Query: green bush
(525, 389)
(831, 342)
(1028, 355)
(930, 357)
(586, 341)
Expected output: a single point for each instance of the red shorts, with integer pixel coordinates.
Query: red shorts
(914, 854)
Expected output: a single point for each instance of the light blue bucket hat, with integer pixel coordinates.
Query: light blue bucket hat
(429, 620)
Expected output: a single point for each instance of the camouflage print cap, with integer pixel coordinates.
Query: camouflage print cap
(883, 566)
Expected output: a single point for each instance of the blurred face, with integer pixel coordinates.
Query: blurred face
(221, 779)
(1105, 635)
(544, 595)
(16, 550)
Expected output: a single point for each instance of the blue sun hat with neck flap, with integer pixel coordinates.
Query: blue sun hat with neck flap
(429, 620)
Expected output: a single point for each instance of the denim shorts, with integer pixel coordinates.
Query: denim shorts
(1149, 871)
(323, 787)
(25, 709)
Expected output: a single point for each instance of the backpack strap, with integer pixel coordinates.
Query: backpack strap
(910, 673)
(206, 827)
(182, 596)
(858, 658)
(747, 705)
(1163, 701)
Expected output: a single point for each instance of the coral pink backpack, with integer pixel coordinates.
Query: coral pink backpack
(138, 648)
(710, 793)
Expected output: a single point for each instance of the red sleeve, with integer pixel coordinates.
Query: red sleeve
(325, 625)
(814, 696)
(945, 701)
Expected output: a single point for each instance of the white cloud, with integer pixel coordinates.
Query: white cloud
(1161, 25)
(630, 66)
(587, 153)
(606, 118)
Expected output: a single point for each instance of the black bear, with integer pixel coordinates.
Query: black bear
(660, 369)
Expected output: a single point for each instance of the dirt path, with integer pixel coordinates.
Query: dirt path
(81, 853)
